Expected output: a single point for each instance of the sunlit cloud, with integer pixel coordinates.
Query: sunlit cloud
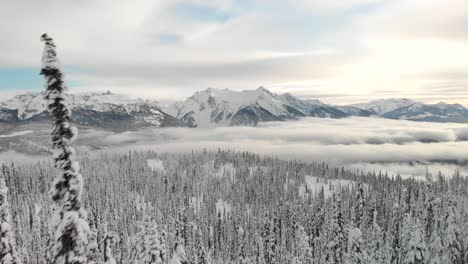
(353, 50)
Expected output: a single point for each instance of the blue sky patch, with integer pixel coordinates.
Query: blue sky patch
(29, 78)
(200, 12)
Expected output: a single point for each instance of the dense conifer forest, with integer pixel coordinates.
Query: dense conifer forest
(238, 207)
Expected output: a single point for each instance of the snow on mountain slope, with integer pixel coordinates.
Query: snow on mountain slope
(216, 107)
(440, 112)
(226, 107)
(354, 111)
(383, 106)
(102, 109)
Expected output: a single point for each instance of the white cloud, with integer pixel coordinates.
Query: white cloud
(392, 145)
(354, 50)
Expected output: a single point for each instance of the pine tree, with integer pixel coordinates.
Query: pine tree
(269, 241)
(356, 251)
(394, 242)
(436, 250)
(376, 245)
(360, 206)
(415, 247)
(334, 253)
(202, 256)
(71, 236)
(8, 254)
(179, 255)
(453, 239)
(108, 242)
(303, 250)
(149, 244)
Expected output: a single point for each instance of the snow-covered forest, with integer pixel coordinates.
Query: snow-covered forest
(237, 207)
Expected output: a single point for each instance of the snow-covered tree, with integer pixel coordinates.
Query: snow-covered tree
(108, 242)
(202, 256)
(179, 255)
(394, 235)
(415, 246)
(356, 251)
(8, 254)
(269, 248)
(453, 236)
(360, 206)
(376, 243)
(71, 235)
(436, 253)
(334, 252)
(149, 244)
(303, 250)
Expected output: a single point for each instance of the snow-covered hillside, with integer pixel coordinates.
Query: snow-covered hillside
(213, 107)
(218, 107)
(440, 112)
(383, 106)
(103, 109)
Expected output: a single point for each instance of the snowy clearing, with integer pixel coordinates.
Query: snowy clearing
(155, 164)
(16, 134)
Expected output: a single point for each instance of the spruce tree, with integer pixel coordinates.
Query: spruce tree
(149, 244)
(8, 254)
(71, 235)
(334, 252)
(202, 256)
(376, 243)
(108, 242)
(453, 236)
(415, 250)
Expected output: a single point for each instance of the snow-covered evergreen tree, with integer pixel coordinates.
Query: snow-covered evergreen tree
(109, 240)
(376, 243)
(269, 248)
(394, 234)
(303, 250)
(436, 253)
(202, 256)
(453, 236)
(149, 244)
(360, 206)
(179, 255)
(415, 247)
(334, 251)
(356, 252)
(8, 254)
(71, 236)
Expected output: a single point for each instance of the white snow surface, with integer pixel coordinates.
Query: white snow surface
(156, 165)
(383, 106)
(223, 207)
(16, 134)
(315, 184)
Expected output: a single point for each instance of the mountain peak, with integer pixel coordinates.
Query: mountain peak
(382, 106)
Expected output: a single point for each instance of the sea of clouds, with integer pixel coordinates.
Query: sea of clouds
(368, 144)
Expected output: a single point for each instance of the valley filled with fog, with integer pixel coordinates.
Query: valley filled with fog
(367, 144)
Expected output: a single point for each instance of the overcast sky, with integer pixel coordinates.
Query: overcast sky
(334, 50)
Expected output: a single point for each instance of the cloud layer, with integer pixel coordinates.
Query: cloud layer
(405, 147)
(341, 51)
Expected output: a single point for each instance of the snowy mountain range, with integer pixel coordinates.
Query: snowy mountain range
(91, 109)
(225, 107)
(216, 107)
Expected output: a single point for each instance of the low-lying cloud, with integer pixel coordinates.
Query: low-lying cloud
(409, 148)
(366, 144)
